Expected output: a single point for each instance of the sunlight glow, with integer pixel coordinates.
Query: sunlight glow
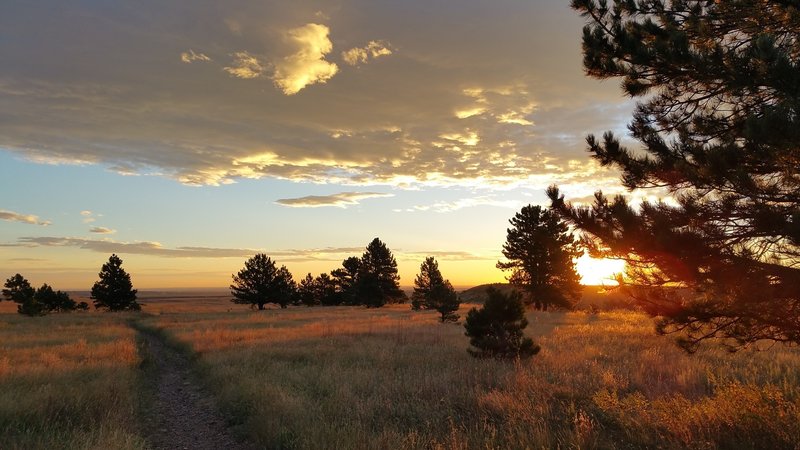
(594, 271)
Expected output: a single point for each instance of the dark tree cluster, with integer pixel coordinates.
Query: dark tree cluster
(432, 291)
(718, 121)
(371, 281)
(38, 302)
(114, 290)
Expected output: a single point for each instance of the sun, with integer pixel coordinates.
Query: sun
(598, 271)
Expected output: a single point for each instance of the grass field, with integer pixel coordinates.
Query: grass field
(68, 381)
(391, 378)
(345, 377)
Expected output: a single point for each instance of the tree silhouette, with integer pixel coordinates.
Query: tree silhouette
(495, 330)
(719, 125)
(307, 291)
(432, 291)
(345, 279)
(261, 282)
(540, 252)
(326, 291)
(429, 276)
(114, 291)
(54, 301)
(17, 289)
(377, 282)
(444, 299)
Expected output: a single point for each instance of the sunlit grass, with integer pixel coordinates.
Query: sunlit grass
(391, 378)
(68, 381)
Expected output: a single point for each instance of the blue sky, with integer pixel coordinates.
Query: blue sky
(188, 136)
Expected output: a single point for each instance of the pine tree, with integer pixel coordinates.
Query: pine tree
(495, 330)
(307, 291)
(719, 122)
(432, 291)
(261, 282)
(326, 290)
(377, 280)
(114, 291)
(17, 289)
(428, 277)
(54, 301)
(345, 279)
(444, 299)
(540, 253)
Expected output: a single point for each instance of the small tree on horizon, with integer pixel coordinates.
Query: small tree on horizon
(307, 291)
(540, 253)
(17, 289)
(495, 330)
(428, 277)
(432, 291)
(114, 291)
(261, 282)
(377, 282)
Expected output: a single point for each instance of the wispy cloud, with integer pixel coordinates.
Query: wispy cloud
(306, 65)
(245, 65)
(102, 230)
(157, 249)
(12, 216)
(88, 216)
(341, 200)
(190, 56)
(360, 55)
(443, 207)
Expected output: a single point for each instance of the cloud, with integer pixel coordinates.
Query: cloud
(190, 56)
(157, 249)
(341, 200)
(88, 216)
(360, 55)
(306, 65)
(455, 77)
(12, 216)
(443, 207)
(102, 230)
(245, 66)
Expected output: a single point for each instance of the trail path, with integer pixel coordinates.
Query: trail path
(183, 416)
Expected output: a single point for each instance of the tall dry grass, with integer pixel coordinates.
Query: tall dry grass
(68, 381)
(391, 378)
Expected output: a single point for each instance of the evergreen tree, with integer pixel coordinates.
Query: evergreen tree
(540, 253)
(444, 299)
(307, 291)
(495, 330)
(261, 282)
(17, 289)
(114, 291)
(345, 279)
(719, 123)
(432, 291)
(429, 276)
(377, 280)
(54, 301)
(326, 290)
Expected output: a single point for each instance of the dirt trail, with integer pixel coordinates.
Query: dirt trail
(182, 416)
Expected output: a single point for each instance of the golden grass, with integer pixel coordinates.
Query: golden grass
(68, 381)
(390, 378)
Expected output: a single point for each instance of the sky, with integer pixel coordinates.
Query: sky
(187, 136)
